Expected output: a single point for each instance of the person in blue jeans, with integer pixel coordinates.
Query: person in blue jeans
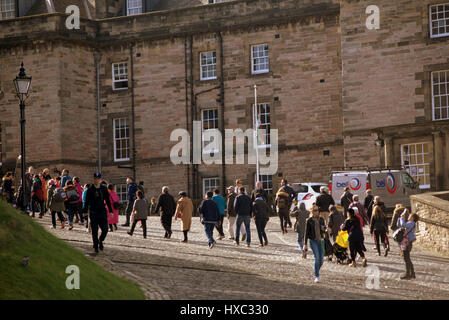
(221, 203)
(209, 217)
(243, 208)
(315, 229)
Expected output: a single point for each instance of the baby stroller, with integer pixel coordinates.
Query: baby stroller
(341, 248)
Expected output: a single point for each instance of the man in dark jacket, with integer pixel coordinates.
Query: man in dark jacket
(131, 197)
(96, 196)
(346, 200)
(168, 205)
(209, 216)
(324, 201)
(368, 203)
(261, 217)
(291, 196)
(243, 208)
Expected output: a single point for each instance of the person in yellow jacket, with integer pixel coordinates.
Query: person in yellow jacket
(184, 211)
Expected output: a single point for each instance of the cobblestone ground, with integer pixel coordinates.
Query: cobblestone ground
(167, 269)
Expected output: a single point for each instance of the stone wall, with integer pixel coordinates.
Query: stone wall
(433, 227)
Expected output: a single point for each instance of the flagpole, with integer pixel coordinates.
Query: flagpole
(255, 113)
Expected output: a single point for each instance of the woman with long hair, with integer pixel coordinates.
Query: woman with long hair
(379, 226)
(352, 225)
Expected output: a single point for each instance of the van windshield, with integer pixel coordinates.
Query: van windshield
(408, 181)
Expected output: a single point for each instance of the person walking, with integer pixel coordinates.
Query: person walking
(283, 208)
(71, 202)
(346, 200)
(80, 216)
(301, 216)
(37, 197)
(168, 205)
(315, 229)
(230, 213)
(355, 239)
(361, 209)
(291, 196)
(55, 202)
(86, 214)
(261, 191)
(115, 202)
(96, 197)
(368, 203)
(184, 211)
(221, 204)
(209, 216)
(336, 219)
(379, 227)
(324, 201)
(141, 209)
(261, 217)
(243, 209)
(407, 242)
(131, 197)
(65, 177)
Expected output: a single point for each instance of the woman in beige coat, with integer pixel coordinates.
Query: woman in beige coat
(184, 211)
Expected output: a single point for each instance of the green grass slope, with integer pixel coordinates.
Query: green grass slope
(44, 277)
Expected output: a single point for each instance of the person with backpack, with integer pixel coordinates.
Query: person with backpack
(355, 239)
(315, 229)
(115, 201)
(71, 202)
(283, 208)
(261, 216)
(55, 202)
(37, 197)
(140, 213)
(379, 226)
(96, 197)
(209, 216)
(407, 242)
(221, 204)
(346, 200)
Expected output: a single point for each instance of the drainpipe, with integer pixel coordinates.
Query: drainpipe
(194, 116)
(97, 57)
(223, 166)
(133, 110)
(187, 112)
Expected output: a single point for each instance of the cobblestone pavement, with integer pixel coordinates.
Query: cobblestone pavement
(167, 269)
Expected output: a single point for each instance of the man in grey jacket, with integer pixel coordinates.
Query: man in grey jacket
(243, 209)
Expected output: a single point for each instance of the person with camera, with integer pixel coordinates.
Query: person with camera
(407, 242)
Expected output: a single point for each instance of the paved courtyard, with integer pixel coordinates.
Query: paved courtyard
(167, 269)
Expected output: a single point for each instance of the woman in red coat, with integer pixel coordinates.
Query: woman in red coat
(114, 199)
(37, 196)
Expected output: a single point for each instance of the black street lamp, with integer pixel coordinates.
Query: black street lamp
(22, 84)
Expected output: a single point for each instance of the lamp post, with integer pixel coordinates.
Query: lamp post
(22, 84)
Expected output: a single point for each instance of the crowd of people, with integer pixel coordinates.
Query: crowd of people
(96, 206)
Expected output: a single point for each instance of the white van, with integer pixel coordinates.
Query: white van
(393, 186)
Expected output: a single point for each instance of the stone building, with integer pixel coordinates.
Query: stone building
(338, 93)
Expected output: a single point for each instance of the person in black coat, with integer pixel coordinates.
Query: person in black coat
(346, 200)
(261, 217)
(168, 205)
(96, 196)
(209, 217)
(243, 208)
(368, 203)
(352, 225)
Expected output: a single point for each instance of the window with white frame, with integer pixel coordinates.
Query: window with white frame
(134, 7)
(416, 160)
(210, 184)
(208, 65)
(267, 182)
(7, 9)
(120, 76)
(122, 193)
(262, 121)
(209, 122)
(121, 139)
(259, 59)
(440, 95)
(439, 20)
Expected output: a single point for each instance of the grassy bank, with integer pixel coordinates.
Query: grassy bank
(44, 277)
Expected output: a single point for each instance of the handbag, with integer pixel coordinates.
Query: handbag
(327, 247)
(399, 235)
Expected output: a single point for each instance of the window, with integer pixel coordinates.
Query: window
(120, 76)
(208, 65)
(209, 184)
(7, 9)
(440, 95)
(267, 182)
(121, 190)
(439, 20)
(210, 121)
(262, 122)
(416, 160)
(134, 7)
(259, 59)
(121, 139)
